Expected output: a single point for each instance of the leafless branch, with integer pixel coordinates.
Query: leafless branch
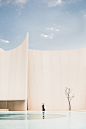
(67, 92)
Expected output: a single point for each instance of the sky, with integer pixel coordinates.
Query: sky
(52, 24)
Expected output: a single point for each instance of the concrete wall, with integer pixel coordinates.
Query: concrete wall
(13, 73)
(50, 72)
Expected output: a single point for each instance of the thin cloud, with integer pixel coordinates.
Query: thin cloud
(54, 3)
(48, 36)
(4, 41)
(16, 1)
(52, 29)
(45, 36)
(19, 3)
(72, 1)
(84, 15)
(57, 30)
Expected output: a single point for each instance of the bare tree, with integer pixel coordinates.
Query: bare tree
(67, 92)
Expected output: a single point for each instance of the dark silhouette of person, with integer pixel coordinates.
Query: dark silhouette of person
(43, 110)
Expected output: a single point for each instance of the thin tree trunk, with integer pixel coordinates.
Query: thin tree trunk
(69, 106)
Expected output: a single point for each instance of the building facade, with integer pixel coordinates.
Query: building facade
(13, 78)
(29, 78)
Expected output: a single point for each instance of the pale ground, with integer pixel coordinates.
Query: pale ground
(68, 120)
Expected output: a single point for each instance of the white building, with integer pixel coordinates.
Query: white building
(29, 78)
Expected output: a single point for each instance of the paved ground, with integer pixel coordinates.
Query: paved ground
(53, 120)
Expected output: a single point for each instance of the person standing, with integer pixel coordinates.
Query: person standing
(43, 110)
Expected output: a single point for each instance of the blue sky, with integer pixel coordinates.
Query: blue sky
(52, 24)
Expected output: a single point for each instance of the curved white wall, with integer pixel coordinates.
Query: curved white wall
(13, 73)
(1, 50)
(50, 72)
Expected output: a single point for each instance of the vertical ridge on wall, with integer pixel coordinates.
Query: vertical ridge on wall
(56, 76)
(60, 78)
(51, 83)
(35, 85)
(9, 75)
(21, 71)
(30, 82)
(51, 79)
(27, 41)
(18, 73)
(42, 83)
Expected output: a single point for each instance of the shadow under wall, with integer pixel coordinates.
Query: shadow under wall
(13, 105)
